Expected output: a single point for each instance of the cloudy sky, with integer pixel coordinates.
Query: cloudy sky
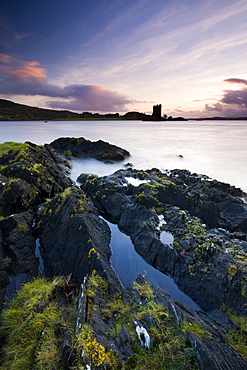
(123, 55)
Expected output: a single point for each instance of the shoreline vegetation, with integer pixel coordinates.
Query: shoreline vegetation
(10, 111)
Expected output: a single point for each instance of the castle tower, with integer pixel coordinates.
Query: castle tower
(156, 111)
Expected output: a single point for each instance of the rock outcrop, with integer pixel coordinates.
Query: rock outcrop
(74, 239)
(207, 264)
(80, 147)
(141, 327)
(29, 175)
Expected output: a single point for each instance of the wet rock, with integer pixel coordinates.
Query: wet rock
(216, 355)
(209, 266)
(19, 244)
(73, 238)
(29, 175)
(80, 147)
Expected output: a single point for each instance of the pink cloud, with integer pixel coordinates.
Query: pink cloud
(4, 58)
(236, 81)
(19, 77)
(27, 71)
(91, 98)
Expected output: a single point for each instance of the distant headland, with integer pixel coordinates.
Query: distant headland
(10, 111)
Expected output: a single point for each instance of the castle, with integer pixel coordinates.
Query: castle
(157, 112)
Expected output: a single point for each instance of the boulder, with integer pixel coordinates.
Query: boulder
(80, 147)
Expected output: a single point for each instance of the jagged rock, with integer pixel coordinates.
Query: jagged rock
(216, 355)
(208, 266)
(4, 276)
(123, 345)
(80, 147)
(29, 175)
(73, 238)
(207, 341)
(19, 244)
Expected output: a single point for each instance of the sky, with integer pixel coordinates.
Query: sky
(116, 56)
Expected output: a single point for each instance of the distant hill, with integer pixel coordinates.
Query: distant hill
(10, 111)
(20, 112)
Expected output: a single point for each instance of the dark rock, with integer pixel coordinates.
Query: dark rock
(80, 147)
(85, 176)
(17, 251)
(73, 238)
(4, 282)
(123, 345)
(209, 266)
(208, 342)
(29, 176)
(216, 355)
(19, 243)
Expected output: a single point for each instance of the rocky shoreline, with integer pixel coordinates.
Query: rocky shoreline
(207, 259)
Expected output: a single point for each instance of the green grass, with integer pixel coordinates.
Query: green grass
(30, 327)
(169, 348)
(238, 338)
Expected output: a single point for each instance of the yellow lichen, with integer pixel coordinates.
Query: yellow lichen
(94, 352)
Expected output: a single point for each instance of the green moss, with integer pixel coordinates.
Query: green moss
(8, 146)
(145, 291)
(36, 167)
(22, 227)
(7, 261)
(195, 328)
(68, 153)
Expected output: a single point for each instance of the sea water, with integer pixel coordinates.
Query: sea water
(217, 149)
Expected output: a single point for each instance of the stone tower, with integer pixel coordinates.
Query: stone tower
(157, 111)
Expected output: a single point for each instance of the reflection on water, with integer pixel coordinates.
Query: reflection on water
(38, 255)
(128, 264)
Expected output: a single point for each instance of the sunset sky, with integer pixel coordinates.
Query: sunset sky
(124, 55)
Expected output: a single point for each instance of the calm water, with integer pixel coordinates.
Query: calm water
(214, 148)
(128, 264)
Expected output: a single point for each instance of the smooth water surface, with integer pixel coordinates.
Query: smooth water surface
(128, 264)
(214, 148)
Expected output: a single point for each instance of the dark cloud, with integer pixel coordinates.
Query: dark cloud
(29, 78)
(233, 103)
(217, 107)
(236, 81)
(236, 97)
